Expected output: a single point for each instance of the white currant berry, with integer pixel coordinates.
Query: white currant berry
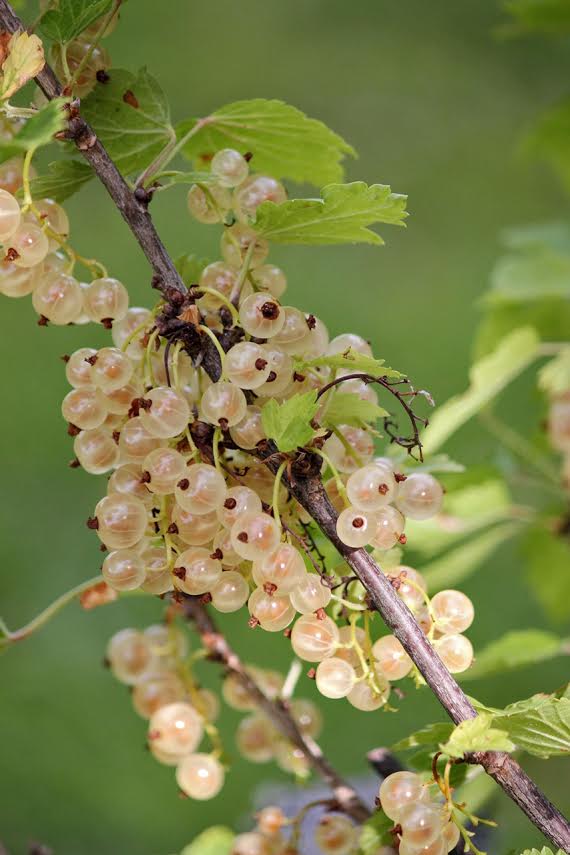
(19, 281)
(393, 661)
(356, 528)
(129, 656)
(200, 776)
(261, 315)
(420, 496)
(194, 529)
(335, 677)
(85, 408)
(456, 652)
(314, 639)
(156, 691)
(399, 790)
(246, 365)
(238, 501)
(307, 717)
(389, 529)
(121, 520)
(270, 278)
(196, 571)
(421, 823)
(282, 570)
(249, 431)
(135, 442)
(163, 468)
(123, 570)
(96, 450)
(229, 167)
(273, 612)
(59, 299)
(349, 341)
(9, 215)
(255, 738)
(371, 488)
(106, 299)
(201, 490)
(165, 413)
(27, 245)
(230, 592)
(208, 203)
(453, 612)
(367, 698)
(176, 728)
(255, 535)
(223, 404)
(310, 594)
(236, 242)
(335, 834)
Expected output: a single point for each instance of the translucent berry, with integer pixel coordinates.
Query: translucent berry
(314, 639)
(202, 490)
(255, 535)
(335, 677)
(229, 167)
(122, 520)
(106, 298)
(261, 315)
(420, 496)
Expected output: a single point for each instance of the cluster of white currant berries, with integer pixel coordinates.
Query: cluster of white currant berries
(422, 822)
(84, 61)
(31, 236)
(558, 423)
(381, 499)
(153, 663)
(179, 712)
(335, 834)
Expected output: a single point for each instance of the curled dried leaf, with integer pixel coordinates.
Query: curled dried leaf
(98, 595)
(23, 59)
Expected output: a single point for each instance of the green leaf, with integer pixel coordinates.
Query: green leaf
(430, 736)
(554, 377)
(459, 562)
(190, 267)
(549, 317)
(516, 649)
(216, 840)
(352, 361)
(288, 424)
(375, 833)
(38, 131)
(549, 140)
(346, 408)
(535, 274)
(70, 17)
(341, 216)
(539, 725)
(284, 142)
(131, 116)
(63, 179)
(25, 59)
(544, 851)
(488, 377)
(551, 17)
(548, 560)
(477, 734)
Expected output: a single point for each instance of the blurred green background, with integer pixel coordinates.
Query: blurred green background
(436, 106)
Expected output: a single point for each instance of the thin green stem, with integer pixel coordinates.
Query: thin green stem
(167, 154)
(216, 449)
(94, 44)
(276, 486)
(215, 340)
(11, 636)
(236, 290)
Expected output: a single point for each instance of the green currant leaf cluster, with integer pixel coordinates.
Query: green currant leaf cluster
(476, 734)
(342, 215)
(289, 424)
(539, 725)
(284, 142)
(544, 851)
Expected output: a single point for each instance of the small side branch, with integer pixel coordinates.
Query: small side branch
(277, 711)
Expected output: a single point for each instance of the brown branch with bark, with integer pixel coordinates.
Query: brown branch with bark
(305, 486)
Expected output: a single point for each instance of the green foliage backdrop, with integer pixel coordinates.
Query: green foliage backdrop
(435, 106)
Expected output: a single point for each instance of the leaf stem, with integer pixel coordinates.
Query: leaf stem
(11, 636)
